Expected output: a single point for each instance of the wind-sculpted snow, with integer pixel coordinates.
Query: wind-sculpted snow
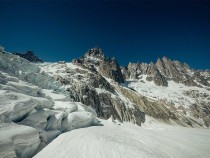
(30, 116)
(130, 141)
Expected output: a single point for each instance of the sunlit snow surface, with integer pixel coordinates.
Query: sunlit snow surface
(152, 140)
(174, 93)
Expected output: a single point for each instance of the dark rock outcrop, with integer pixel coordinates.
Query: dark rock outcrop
(30, 56)
(111, 69)
(135, 70)
(94, 59)
(164, 70)
(155, 75)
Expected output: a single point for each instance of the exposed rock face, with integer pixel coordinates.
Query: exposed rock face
(135, 70)
(96, 53)
(155, 75)
(165, 70)
(95, 59)
(168, 68)
(30, 56)
(92, 89)
(150, 108)
(89, 79)
(111, 69)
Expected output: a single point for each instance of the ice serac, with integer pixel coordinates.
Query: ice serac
(17, 140)
(33, 108)
(27, 71)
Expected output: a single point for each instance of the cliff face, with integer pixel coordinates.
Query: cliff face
(111, 69)
(92, 89)
(121, 92)
(165, 70)
(107, 67)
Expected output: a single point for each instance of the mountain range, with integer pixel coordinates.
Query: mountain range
(41, 100)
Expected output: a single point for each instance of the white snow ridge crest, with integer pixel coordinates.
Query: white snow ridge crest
(84, 109)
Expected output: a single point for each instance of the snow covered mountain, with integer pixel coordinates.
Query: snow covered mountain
(170, 91)
(183, 90)
(34, 108)
(40, 101)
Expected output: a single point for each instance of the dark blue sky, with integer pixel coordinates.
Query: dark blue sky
(133, 31)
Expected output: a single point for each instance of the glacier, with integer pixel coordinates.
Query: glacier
(34, 108)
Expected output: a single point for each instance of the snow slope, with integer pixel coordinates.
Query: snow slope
(190, 103)
(175, 92)
(127, 140)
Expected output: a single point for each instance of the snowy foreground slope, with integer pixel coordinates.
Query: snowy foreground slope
(130, 141)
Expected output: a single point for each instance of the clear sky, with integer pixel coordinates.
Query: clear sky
(133, 31)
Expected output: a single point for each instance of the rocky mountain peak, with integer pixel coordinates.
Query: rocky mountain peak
(158, 60)
(165, 59)
(164, 70)
(95, 59)
(30, 56)
(30, 52)
(95, 53)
